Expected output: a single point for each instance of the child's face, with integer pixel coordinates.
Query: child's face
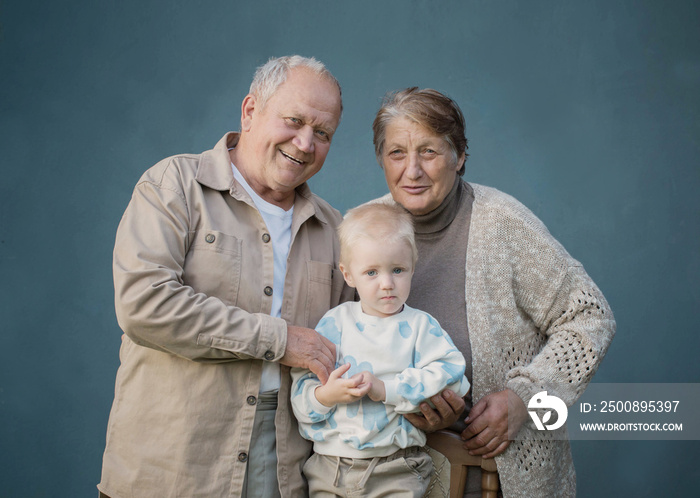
(381, 272)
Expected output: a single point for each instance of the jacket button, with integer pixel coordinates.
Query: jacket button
(266, 237)
(210, 238)
(243, 457)
(268, 291)
(251, 400)
(269, 356)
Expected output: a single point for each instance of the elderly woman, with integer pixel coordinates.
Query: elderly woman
(523, 312)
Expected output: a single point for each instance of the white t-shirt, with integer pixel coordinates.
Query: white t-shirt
(279, 225)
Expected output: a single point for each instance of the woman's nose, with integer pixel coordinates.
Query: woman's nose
(414, 169)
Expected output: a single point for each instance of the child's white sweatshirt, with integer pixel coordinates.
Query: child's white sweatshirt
(408, 351)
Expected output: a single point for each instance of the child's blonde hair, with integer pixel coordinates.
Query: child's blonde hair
(387, 222)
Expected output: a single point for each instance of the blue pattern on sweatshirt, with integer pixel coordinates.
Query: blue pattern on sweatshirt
(299, 387)
(352, 409)
(414, 394)
(318, 417)
(356, 368)
(373, 414)
(453, 370)
(328, 329)
(354, 441)
(406, 425)
(331, 423)
(435, 328)
(405, 329)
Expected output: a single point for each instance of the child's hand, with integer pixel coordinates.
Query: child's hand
(377, 391)
(339, 390)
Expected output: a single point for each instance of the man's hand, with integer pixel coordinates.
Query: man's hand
(448, 407)
(339, 390)
(488, 433)
(306, 348)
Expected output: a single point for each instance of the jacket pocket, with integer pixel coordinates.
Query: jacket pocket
(213, 265)
(324, 287)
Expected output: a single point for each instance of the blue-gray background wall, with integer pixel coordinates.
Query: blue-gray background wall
(586, 111)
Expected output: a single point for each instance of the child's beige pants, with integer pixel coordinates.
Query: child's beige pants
(406, 473)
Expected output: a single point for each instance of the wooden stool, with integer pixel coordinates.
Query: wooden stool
(450, 445)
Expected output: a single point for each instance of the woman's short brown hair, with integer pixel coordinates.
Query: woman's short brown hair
(429, 108)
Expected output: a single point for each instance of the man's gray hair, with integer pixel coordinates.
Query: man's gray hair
(273, 73)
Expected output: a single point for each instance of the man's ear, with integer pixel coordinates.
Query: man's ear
(346, 275)
(248, 107)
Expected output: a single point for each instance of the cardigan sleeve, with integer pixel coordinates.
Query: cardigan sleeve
(536, 319)
(578, 328)
(570, 312)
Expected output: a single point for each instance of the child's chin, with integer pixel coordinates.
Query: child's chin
(391, 310)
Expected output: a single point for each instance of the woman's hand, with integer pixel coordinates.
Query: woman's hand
(488, 432)
(340, 390)
(448, 407)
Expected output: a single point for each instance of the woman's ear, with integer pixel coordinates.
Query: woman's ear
(460, 162)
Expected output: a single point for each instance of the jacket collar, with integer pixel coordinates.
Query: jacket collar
(215, 172)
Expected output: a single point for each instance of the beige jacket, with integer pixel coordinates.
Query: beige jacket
(193, 269)
(536, 322)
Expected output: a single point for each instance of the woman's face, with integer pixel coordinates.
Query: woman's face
(419, 166)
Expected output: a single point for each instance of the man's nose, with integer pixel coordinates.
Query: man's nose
(304, 139)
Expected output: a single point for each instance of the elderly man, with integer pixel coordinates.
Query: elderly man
(222, 261)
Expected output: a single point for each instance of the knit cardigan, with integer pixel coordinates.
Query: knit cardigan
(536, 322)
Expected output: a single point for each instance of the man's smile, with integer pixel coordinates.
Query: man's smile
(292, 158)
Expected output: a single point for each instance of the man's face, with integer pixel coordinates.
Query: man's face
(290, 136)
